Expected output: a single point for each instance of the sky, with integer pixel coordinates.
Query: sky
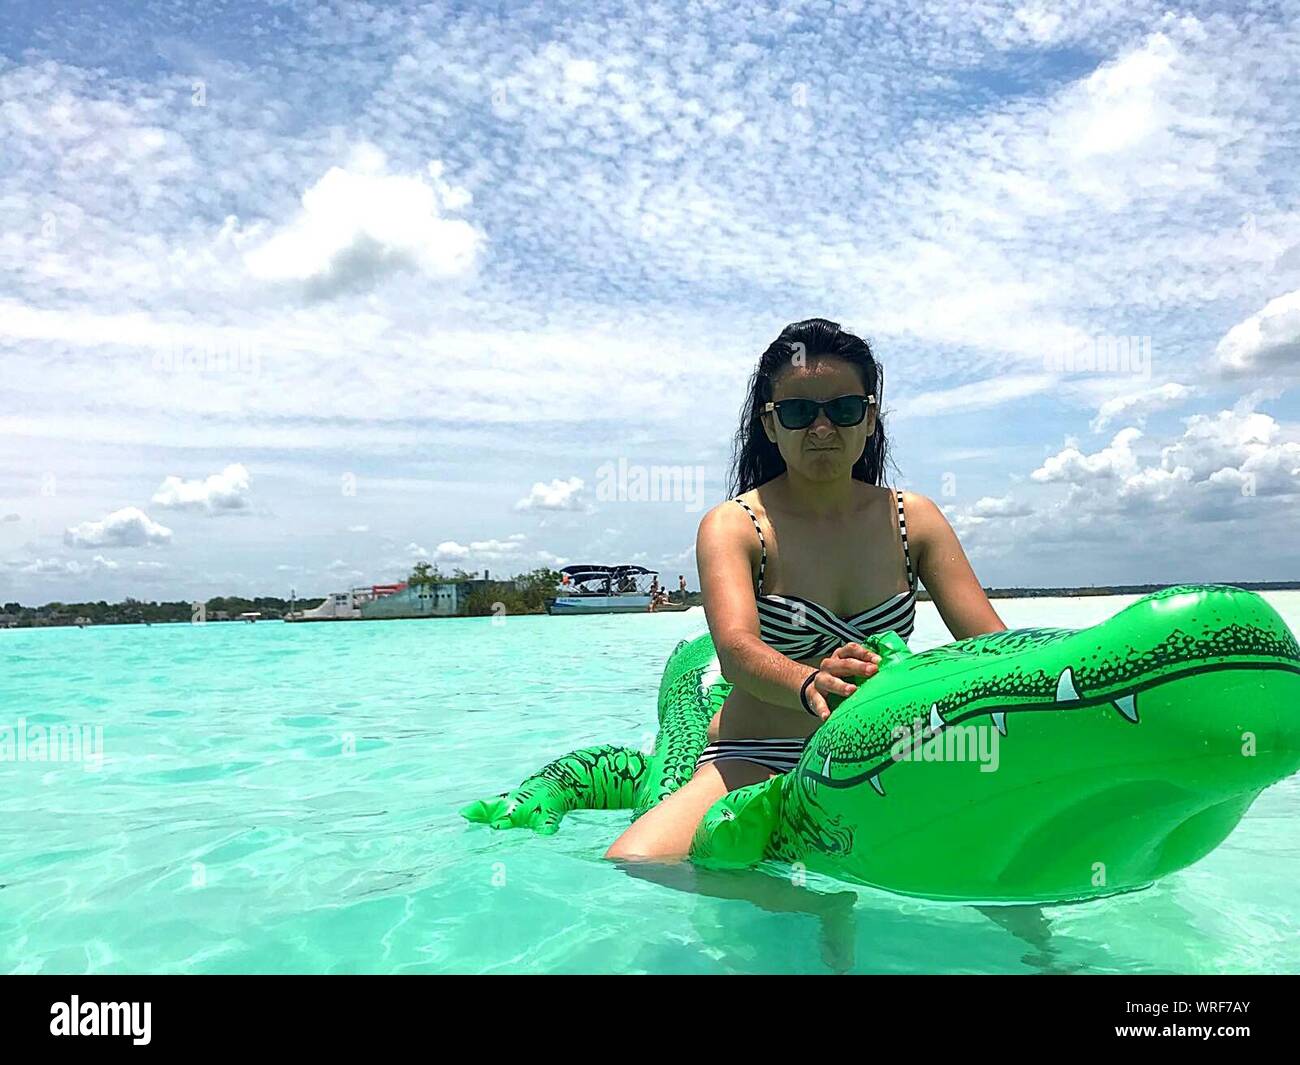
(295, 295)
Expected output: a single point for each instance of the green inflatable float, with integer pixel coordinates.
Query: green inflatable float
(1029, 765)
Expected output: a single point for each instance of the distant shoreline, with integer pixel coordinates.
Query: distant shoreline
(68, 615)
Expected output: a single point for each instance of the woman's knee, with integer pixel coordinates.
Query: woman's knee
(627, 850)
(640, 843)
(666, 831)
(655, 835)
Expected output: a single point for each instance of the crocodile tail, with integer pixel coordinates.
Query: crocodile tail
(593, 778)
(691, 691)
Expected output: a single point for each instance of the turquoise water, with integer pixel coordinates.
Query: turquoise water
(282, 798)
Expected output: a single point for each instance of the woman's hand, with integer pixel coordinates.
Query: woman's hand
(835, 673)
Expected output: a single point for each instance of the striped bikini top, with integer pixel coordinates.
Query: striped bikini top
(800, 628)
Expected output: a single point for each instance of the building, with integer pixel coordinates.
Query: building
(441, 600)
(381, 601)
(417, 601)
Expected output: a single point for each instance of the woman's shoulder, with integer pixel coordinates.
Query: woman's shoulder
(922, 515)
(727, 522)
(913, 499)
(727, 515)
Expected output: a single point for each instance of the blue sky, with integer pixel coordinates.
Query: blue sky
(299, 294)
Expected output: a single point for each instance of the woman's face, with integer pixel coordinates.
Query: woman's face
(824, 451)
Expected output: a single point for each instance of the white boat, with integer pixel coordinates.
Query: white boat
(606, 590)
(598, 604)
(338, 606)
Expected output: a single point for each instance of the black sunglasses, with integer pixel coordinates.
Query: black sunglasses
(844, 411)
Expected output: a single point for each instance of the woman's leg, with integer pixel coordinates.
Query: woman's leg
(665, 832)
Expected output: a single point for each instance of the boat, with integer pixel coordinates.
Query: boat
(338, 606)
(592, 589)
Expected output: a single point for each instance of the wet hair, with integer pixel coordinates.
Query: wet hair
(755, 458)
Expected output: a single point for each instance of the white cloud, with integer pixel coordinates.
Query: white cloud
(56, 567)
(1235, 464)
(1240, 447)
(1073, 466)
(999, 507)
(581, 72)
(509, 546)
(128, 527)
(359, 224)
(977, 395)
(1154, 484)
(220, 493)
(1135, 406)
(1264, 342)
(481, 550)
(557, 495)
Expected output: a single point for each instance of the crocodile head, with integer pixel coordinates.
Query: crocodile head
(1052, 763)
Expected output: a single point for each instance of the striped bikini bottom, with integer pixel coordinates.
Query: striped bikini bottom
(780, 753)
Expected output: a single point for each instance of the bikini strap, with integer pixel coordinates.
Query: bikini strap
(902, 529)
(762, 562)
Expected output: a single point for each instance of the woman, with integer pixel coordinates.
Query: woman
(784, 574)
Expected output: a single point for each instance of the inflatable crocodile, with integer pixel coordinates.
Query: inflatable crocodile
(1027, 765)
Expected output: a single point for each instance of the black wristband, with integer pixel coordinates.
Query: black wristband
(803, 692)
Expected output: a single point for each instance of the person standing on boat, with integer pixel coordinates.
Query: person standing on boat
(811, 533)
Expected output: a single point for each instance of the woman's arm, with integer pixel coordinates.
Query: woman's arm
(722, 553)
(945, 571)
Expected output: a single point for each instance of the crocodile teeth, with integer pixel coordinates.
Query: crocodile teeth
(1000, 719)
(826, 766)
(936, 722)
(1065, 690)
(1127, 705)
(875, 783)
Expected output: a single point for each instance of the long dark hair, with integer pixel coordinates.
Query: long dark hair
(756, 459)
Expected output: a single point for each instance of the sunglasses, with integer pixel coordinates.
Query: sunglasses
(844, 411)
